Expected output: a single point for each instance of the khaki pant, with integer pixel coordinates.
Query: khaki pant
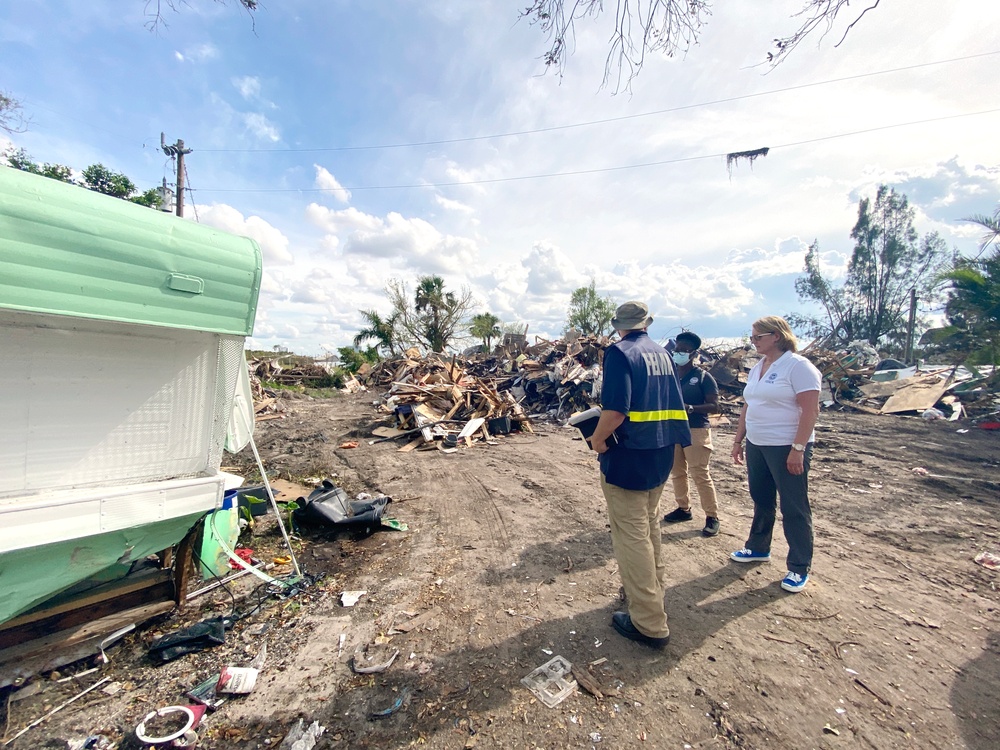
(693, 461)
(635, 534)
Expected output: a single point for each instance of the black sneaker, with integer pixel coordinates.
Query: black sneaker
(621, 622)
(678, 515)
(711, 526)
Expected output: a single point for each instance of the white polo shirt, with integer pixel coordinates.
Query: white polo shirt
(772, 416)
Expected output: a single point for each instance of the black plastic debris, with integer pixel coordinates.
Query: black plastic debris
(328, 504)
(198, 637)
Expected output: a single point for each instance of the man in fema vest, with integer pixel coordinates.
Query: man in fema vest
(642, 419)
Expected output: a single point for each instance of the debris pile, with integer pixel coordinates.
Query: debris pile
(444, 401)
(440, 395)
(857, 378)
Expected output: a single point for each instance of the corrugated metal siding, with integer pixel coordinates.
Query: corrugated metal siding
(65, 250)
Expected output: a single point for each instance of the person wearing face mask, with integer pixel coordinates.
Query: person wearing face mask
(701, 398)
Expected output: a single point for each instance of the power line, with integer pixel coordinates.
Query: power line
(554, 128)
(598, 170)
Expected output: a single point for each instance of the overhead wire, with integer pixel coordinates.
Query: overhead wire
(589, 123)
(597, 170)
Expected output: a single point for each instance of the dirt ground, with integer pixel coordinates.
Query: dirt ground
(507, 562)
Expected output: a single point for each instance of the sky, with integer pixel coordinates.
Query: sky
(363, 141)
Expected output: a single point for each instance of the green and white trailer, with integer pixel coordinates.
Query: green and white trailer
(121, 339)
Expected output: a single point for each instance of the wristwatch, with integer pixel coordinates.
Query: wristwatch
(798, 447)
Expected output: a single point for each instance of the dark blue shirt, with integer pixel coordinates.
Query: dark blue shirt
(696, 386)
(622, 466)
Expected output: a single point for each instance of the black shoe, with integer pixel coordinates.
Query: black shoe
(678, 515)
(711, 526)
(621, 622)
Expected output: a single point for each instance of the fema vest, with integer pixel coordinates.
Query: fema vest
(656, 417)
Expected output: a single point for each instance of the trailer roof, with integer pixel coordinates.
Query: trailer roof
(66, 250)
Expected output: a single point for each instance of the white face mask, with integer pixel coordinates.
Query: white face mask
(680, 358)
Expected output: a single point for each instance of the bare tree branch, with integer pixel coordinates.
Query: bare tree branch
(155, 9)
(12, 118)
(670, 27)
(817, 13)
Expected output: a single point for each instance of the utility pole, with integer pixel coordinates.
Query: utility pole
(908, 355)
(177, 150)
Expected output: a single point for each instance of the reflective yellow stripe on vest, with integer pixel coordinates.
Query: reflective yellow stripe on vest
(662, 415)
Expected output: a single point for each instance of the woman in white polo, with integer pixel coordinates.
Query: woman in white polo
(781, 405)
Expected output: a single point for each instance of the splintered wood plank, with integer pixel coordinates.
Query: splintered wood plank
(411, 445)
(915, 397)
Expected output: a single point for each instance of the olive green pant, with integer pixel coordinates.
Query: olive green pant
(634, 516)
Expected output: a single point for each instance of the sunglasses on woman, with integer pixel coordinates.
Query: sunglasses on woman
(759, 336)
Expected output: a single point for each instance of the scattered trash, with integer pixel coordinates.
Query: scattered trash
(350, 598)
(188, 740)
(241, 680)
(257, 629)
(398, 704)
(349, 444)
(236, 680)
(57, 709)
(587, 681)
(827, 729)
(932, 413)
(283, 560)
(112, 689)
(359, 668)
(920, 471)
(302, 738)
(988, 560)
(329, 504)
(198, 637)
(111, 639)
(93, 742)
(205, 694)
(84, 673)
(156, 728)
(245, 554)
(549, 682)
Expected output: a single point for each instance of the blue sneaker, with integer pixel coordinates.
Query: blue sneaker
(794, 582)
(747, 555)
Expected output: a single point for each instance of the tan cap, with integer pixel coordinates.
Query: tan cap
(631, 316)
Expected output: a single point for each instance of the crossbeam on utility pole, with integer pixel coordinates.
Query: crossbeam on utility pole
(177, 150)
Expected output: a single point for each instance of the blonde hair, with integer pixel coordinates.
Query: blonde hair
(780, 328)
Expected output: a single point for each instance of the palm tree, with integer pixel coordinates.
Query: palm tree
(486, 327)
(992, 226)
(973, 306)
(431, 298)
(382, 332)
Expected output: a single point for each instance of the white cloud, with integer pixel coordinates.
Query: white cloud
(261, 127)
(451, 205)
(248, 86)
(550, 269)
(414, 242)
(326, 181)
(273, 244)
(339, 222)
(198, 53)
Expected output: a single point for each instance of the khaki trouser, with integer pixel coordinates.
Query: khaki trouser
(694, 460)
(634, 516)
